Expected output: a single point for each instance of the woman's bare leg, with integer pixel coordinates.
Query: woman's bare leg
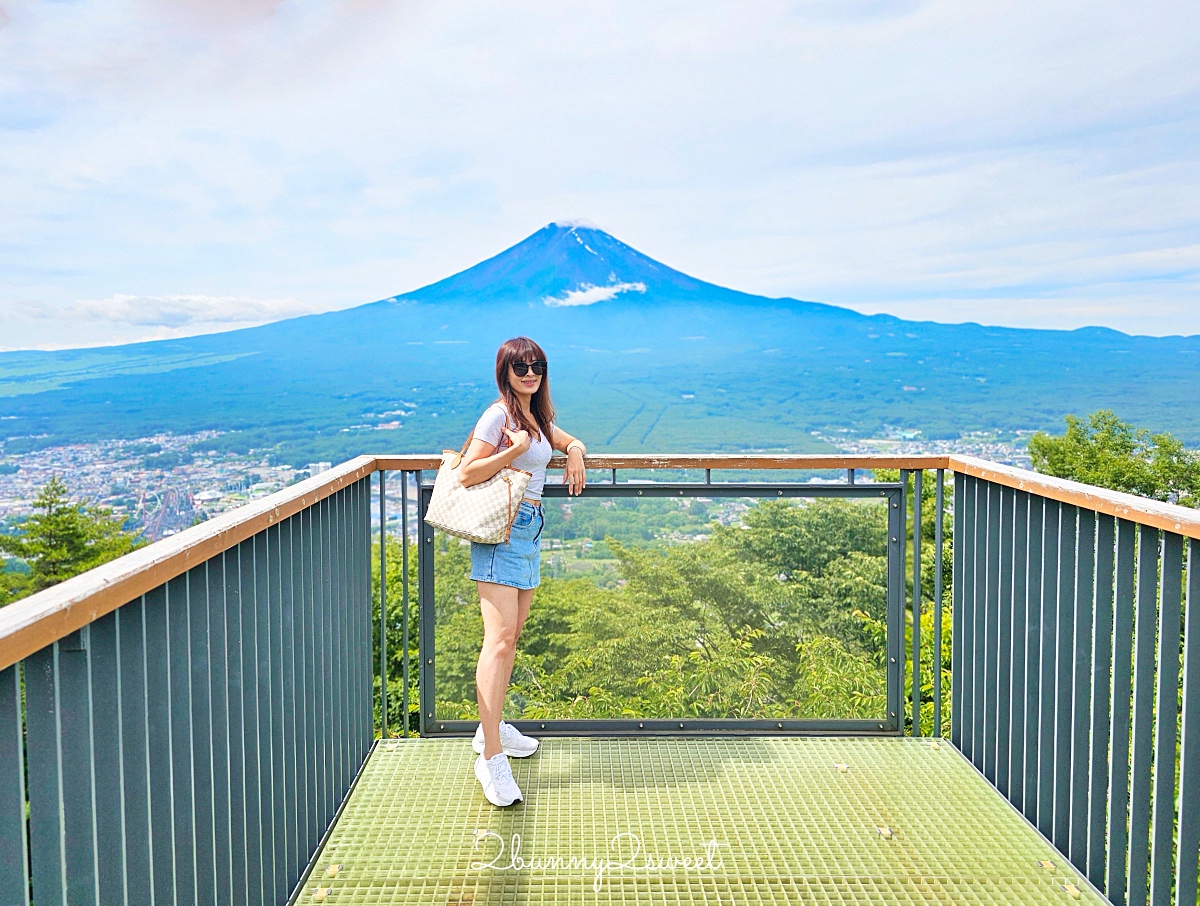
(502, 622)
(524, 601)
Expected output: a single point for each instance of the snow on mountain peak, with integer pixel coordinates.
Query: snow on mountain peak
(576, 223)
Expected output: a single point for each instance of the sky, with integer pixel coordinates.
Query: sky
(173, 167)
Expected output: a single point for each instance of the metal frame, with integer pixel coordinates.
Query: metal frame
(892, 724)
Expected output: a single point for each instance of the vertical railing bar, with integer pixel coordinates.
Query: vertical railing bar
(158, 745)
(235, 672)
(105, 731)
(1188, 847)
(1033, 654)
(987, 705)
(344, 635)
(1051, 529)
(1165, 717)
(938, 566)
(48, 862)
(1118, 790)
(1019, 634)
(849, 476)
(425, 591)
(1064, 677)
(336, 658)
(366, 668)
(123, 792)
(279, 724)
(294, 857)
(383, 721)
(1083, 603)
(354, 616)
(252, 785)
(1100, 733)
(349, 707)
(353, 623)
(14, 844)
(325, 681)
(964, 530)
(896, 604)
(308, 696)
(982, 665)
(200, 668)
(218, 702)
(404, 484)
(1143, 715)
(364, 724)
(264, 595)
(321, 644)
(182, 767)
(339, 644)
(1004, 642)
(916, 603)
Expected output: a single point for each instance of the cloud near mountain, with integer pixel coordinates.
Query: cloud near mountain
(176, 311)
(587, 294)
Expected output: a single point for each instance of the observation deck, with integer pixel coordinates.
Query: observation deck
(270, 707)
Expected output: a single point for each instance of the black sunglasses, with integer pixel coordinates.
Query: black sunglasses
(520, 369)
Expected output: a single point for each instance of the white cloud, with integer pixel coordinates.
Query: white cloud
(588, 294)
(879, 153)
(127, 319)
(174, 311)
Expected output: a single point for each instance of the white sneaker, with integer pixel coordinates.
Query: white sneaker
(516, 744)
(495, 775)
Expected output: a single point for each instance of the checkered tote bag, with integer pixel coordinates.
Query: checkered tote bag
(483, 512)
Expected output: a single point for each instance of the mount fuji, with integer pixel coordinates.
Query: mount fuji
(643, 358)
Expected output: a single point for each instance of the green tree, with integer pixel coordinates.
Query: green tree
(60, 540)
(1104, 451)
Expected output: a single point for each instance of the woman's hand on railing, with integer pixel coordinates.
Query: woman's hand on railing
(575, 475)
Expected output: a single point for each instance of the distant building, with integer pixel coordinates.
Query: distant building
(316, 468)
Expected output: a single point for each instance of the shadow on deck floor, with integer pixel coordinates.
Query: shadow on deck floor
(688, 820)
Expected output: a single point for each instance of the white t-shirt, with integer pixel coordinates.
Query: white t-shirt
(489, 428)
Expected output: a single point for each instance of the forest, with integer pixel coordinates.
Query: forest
(775, 609)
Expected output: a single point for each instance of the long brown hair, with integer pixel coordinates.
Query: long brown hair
(523, 349)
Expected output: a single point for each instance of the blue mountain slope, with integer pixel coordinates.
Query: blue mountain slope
(656, 360)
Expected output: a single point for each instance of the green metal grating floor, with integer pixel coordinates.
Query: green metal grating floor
(718, 820)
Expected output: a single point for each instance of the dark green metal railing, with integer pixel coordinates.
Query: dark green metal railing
(1068, 689)
(194, 744)
(183, 725)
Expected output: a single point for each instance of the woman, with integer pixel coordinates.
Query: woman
(517, 430)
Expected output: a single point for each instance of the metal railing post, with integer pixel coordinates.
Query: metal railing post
(916, 639)
(404, 593)
(938, 566)
(383, 678)
(1189, 757)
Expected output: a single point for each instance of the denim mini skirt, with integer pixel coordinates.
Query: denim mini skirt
(516, 562)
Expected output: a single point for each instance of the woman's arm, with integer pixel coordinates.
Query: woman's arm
(481, 461)
(575, 474)
(561, 440)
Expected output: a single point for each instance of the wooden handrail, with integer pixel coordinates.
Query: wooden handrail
(34, 622)
(1169, 517)
(838, 461)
